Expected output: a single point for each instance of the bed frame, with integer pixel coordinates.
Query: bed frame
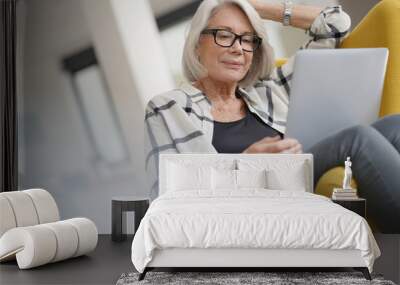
(240, 259)
(246, 259)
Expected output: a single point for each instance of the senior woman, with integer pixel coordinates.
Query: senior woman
(237, 102)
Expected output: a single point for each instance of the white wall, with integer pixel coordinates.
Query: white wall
(58, 153)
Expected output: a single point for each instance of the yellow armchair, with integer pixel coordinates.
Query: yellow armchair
(379, 28)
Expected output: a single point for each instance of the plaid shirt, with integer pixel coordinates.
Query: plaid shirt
(180, 121)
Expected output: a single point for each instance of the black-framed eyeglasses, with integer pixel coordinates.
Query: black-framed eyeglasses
(225, 38)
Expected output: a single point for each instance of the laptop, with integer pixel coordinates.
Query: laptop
(333, 89)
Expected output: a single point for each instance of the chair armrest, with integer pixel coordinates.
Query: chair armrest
(40, 244)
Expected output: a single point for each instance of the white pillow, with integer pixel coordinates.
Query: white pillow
(251, 178)
(282, 174)
(293, 179)
(223, 179)
(181, 177)
(228, 179)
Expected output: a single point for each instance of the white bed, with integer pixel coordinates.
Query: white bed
(217, 224)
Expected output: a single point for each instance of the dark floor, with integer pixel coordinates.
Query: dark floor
(102, 266)
(111, 259)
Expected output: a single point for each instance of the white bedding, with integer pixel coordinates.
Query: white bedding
(251, 218)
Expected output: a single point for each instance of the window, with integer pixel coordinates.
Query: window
(96, 108)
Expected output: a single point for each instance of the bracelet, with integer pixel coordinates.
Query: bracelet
(287, 13)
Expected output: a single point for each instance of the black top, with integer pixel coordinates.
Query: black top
(236, 136)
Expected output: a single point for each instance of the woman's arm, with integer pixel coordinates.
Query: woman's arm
(302, 16)
(157, 140)
(326, 28)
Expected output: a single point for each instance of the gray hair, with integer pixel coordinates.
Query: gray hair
(263, 58)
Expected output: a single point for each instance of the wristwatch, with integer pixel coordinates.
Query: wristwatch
(287, 13)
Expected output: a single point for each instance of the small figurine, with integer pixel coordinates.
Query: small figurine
(347, 174)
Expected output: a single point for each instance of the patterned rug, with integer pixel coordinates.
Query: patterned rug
(243, 278)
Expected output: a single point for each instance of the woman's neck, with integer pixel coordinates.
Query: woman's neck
(217, 91)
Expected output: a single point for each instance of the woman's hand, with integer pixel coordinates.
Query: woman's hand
(275, 145)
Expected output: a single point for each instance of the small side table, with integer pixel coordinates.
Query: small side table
(121, 204)
(358, 206)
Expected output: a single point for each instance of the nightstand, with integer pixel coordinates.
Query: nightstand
(123, 204)
(358, 206)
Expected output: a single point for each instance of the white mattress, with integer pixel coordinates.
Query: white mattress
(252, 218)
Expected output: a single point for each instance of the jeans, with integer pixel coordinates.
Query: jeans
(375, 156)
